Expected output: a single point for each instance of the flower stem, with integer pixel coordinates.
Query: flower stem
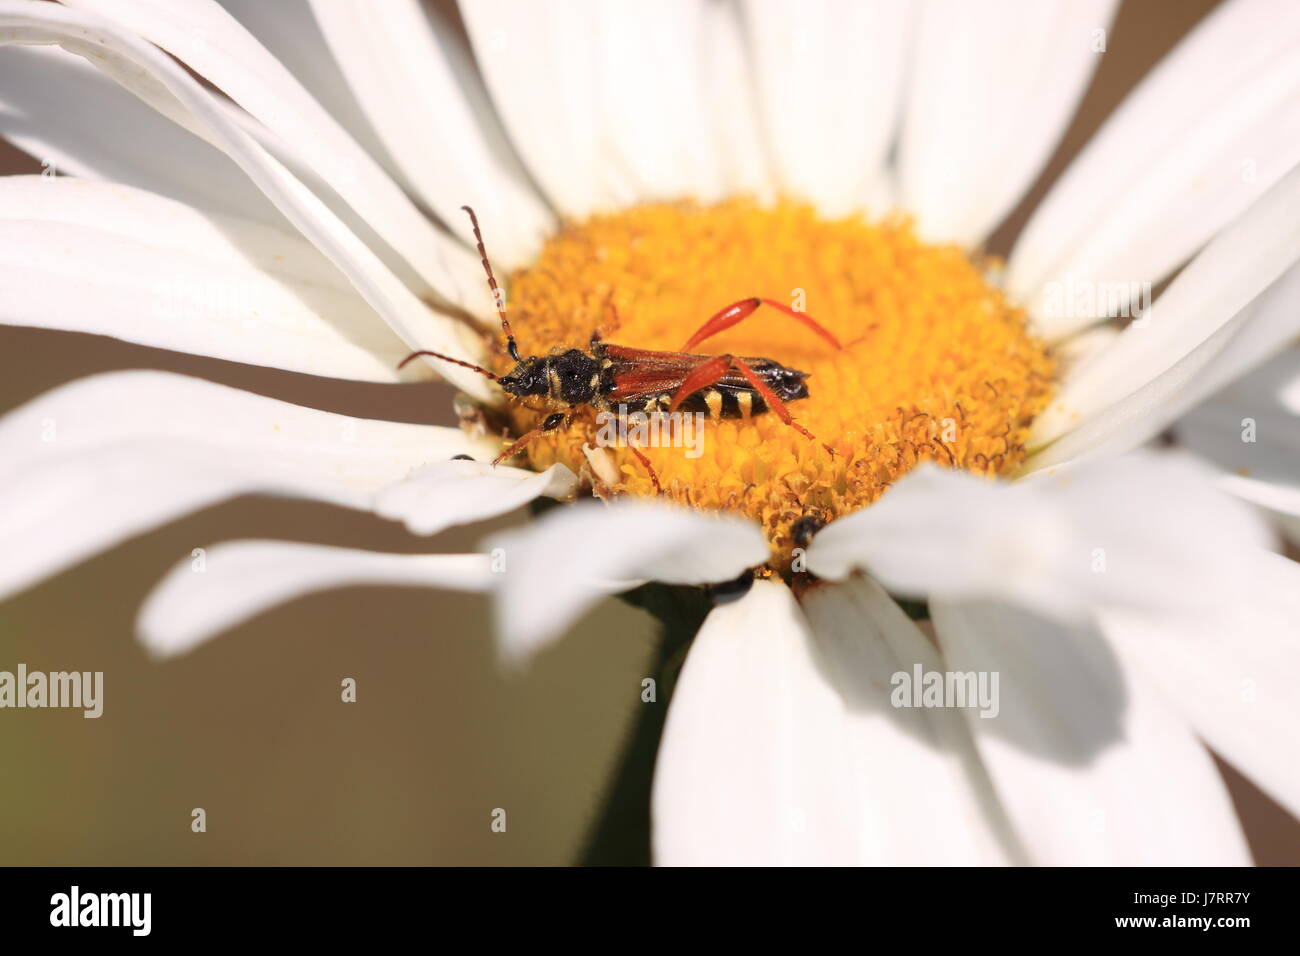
(620, 835)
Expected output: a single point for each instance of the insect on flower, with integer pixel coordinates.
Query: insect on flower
(609, 376)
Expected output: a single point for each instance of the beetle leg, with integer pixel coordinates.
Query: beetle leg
(773, 402)
(550, 423)
(702, 376)
(609, 327)
(645, 463)
(713, 369)
(737, 312)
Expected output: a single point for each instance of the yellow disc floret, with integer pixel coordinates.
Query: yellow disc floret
(937, 365)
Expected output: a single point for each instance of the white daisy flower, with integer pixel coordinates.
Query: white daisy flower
(280, 184)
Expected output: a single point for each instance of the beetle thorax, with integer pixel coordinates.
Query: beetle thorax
(567, 378)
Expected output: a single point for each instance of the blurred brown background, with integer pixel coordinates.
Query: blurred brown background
(250, 726)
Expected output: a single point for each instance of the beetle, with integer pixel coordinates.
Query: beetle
(608, 376)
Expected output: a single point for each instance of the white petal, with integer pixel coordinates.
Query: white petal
(1115, 532)
(92, 463)
(1266, 326)
(568, 560)
(1079, 349)
(77, 121)
(1190, 324)
(1092, 767)
(147, 217)
(288, 29)
(158, 80)
(1205, 134)
(752, 767)
(107, 259)
(993, 87)
(448, 493)
(240, 579)
(607, 104)
(1232, 674)
(1252, 431)
(218, 48)
(923, 796)
(829, 76)
(733, 113)
(655, 124)
(539, 61)
(423, 94)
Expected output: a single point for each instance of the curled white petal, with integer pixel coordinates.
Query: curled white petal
(76, 121)
(112, 260)
(1118, 532)
(1215, 287)
(240, 579)
(218, 48)
(92, 463)
(556, 569)
(159, 81)
(446, 493)
(1232, 350)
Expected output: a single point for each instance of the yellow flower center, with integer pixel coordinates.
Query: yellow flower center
(937, 364)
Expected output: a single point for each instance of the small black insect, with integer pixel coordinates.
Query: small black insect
(803, 529)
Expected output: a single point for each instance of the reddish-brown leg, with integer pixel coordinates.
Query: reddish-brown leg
(737, 312)
(703, 375)
(645, 463)
(774, 403)
(550, 423)
(712, 370)
(616, 322)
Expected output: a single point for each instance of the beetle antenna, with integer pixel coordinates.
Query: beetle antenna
(500, 301)
(447, 358)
